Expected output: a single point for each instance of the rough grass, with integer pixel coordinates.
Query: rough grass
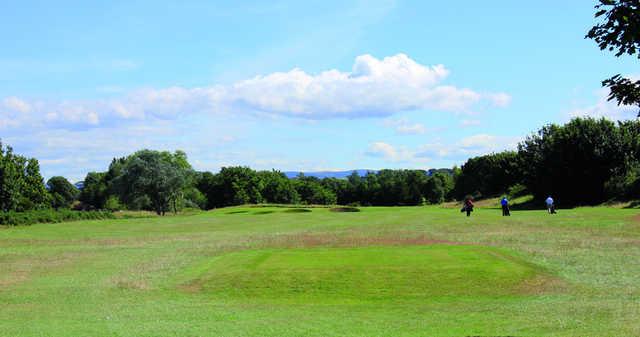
(571, 274)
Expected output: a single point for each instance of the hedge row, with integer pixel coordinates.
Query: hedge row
(50, 216)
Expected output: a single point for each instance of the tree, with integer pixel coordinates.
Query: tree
(619, 32)
(21, 185)
(207, 183)
(62, 192)
(94, 191)
(572, 162)
(157, 176)
(277, 188)
(438, 187)
(488, 175)
(312, 192)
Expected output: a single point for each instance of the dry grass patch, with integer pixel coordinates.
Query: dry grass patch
(302, 240)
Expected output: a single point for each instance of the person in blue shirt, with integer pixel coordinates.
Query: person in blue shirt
(551, 208)
(505, 206)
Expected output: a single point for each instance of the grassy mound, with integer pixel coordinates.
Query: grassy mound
(366, 274)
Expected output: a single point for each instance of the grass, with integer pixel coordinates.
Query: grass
(364, 274)
(398, 271)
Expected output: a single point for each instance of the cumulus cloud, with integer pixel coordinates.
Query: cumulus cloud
(500, 99)
(469, 146)
(388, 152)
(404, 127)
(373, 88)
(605, 108)
(16, 104)
(475, 145)
(65, 133)
(469, 122)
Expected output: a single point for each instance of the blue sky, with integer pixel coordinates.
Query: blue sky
(294, 85)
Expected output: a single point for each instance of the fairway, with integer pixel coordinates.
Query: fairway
(270, 271)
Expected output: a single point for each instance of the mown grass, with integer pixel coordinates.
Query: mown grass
(363, 274)
(405, 271)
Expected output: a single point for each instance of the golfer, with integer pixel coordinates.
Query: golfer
(551, 208)
(505, 206)
(468, 206)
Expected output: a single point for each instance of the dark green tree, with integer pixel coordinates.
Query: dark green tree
(159, 177)
(62, 192)
(438, 187)
(488, 175)
(237, 186)
(619, 31)
(572, 162)
(21, 185)
(94, 193)
(277, 188)
(312, 192)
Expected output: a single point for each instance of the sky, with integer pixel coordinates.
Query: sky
(294, 85)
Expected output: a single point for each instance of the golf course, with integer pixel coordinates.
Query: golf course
(318, 271)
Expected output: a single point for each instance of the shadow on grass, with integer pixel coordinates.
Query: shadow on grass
(344, 209)
(264, 212)
(297, 210)
(526, 206)
(237, 212)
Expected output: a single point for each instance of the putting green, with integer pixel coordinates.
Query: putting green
(366, 274)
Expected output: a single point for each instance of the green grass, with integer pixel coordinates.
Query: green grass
(404, 271)
(363, 274)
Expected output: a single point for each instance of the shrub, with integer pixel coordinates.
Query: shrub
(50, 216)
(517, 190)
(113, 204)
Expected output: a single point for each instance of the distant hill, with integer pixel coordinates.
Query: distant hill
(345, 174)
(328, 174)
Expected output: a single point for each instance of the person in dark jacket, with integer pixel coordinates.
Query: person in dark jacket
(468, 206)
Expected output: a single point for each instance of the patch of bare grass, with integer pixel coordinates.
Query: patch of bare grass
(303, 240)
(19, 270)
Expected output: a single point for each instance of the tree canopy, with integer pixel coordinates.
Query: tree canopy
(619, 32)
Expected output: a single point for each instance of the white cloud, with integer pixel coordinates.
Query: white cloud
(475, 145)
(481, 141)
(388, 152)
(373, 88)
(404, 127)
(73, 136)
(607, 109)
(500, 99)
(469, 122)
(16, 104)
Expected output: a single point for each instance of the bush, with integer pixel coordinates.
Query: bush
(517, 190)
(113, 204)
(50, 216)
(624, 186)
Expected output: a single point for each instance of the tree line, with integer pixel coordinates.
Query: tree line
(584, 162)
